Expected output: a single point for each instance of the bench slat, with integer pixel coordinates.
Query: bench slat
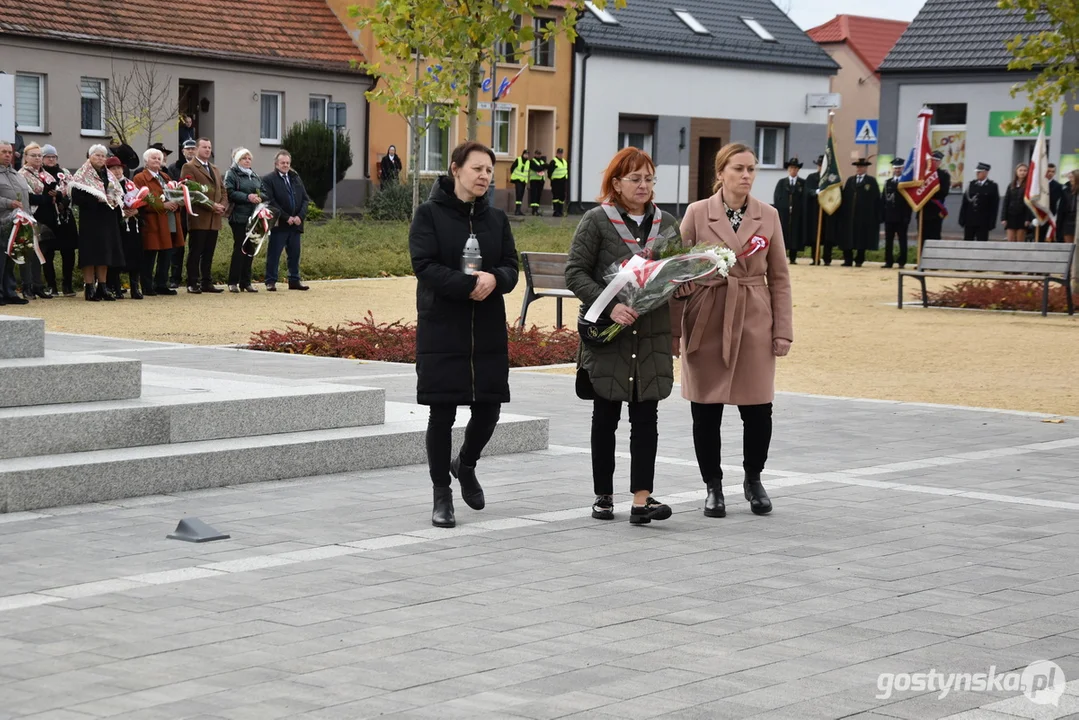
(1030, 268)
(1002, 255)
(549, 282)
(982, 276)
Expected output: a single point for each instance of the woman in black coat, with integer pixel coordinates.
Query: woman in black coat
(131, 236)
(99, 198)
(1015, 216)
(462, 355)
(57, 216)
(390, 167)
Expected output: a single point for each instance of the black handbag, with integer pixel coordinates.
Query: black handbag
(592, 332)
(583, 386)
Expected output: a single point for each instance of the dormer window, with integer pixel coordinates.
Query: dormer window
(759, 29)
(691, 22)
(602, 15)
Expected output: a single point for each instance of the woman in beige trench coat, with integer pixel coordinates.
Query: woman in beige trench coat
(729, 331)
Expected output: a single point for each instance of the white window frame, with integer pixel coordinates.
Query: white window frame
(538, 24)
(691, 22)
(780, 149)
(423, 154)
(325, 100)
(759, 29)
(102, 88)
(40, 127)
(510, 121)
(602, 15)
(280, 114)
(649, 141)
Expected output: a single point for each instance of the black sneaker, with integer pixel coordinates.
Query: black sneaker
(652, 510)
(603, 508)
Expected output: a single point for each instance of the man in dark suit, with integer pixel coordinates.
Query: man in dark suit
(285, 192)
(789, 200)
(978, 213)
(861, 214)
(897, 214)
(934, 209)
(204, 226)
(175, 171)
(1056, 190)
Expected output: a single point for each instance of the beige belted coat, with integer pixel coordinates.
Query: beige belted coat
(727, 325)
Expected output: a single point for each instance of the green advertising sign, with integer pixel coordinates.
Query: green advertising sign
(996, 125)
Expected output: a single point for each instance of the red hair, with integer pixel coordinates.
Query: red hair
(625, 161)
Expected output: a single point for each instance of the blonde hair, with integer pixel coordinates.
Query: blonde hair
(31, 146)
(724, 156)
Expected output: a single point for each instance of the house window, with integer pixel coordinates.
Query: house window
(759, 29)
(636, 132)
(502, 120)
(30, 102)
(602, 15)
(691, 22)
(507, 52)
(949, 113)
(542, 49)
(317, 107)
(771, 144)
(434, 145)
(93, 106)
(270, 118)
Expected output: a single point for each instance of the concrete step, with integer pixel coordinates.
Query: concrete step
(167, 415)
(21, 337)
(99, 475)
(67, 378)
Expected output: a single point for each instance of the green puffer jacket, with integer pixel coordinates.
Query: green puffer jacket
(640, 357)
(239, 185)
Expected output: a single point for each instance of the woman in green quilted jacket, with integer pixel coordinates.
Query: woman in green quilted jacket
(636, 367)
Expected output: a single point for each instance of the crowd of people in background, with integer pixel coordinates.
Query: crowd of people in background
(86, 216)
(855, 227)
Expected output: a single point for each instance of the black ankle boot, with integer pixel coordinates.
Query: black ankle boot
(471, 492)
(758, 498)
(442, 515)
(714, 506)
(91, 295)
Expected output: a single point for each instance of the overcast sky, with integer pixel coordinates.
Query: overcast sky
(810, 13)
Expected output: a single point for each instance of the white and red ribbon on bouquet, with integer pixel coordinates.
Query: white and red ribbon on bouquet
(174, 185)
(24, 219)
(134, 196)
(260, 228)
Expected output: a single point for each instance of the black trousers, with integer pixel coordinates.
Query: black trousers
(643, 443)
(535, 192)
(895, 231)
(979, 234)
(856, 257)
(200, 257)
(67, 267)
(177, 259)
(440, 438)
(156, 279)
(519, 190)
(756, 438)
(558, 195)
(931, 226)
(240, 266)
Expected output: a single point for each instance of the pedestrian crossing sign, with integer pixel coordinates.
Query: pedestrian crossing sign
(865, 132)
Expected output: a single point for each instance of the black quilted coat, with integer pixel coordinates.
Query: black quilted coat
(640, 357)
(461, 345)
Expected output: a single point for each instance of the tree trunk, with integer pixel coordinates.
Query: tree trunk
(414, 166)
(475, 77)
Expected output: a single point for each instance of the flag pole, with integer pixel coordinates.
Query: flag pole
(820, 221)
(921, 220)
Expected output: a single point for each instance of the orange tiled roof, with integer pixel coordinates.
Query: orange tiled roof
(299, 33)
(870, 38)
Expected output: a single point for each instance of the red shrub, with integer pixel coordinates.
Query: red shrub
(998, 295)
(396, 342)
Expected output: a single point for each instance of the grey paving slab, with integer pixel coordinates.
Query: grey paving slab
(905, 538)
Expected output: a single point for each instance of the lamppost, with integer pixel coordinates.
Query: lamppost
(335, 115)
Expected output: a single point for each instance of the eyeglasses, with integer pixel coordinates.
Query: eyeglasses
(638, 180)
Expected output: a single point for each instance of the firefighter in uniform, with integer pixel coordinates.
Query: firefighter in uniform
(978, 213)
(897, 214)
(536, 177)
(558, 171)
(934, 210)
(789, 200)
(519, 177)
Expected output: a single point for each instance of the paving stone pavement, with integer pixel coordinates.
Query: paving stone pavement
(905, 539)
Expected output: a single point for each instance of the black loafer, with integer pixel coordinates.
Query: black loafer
(471, 492)
(603, 508)
(652, 510)
(714, 506)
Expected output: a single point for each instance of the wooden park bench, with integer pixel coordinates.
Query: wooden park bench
(1022, 262)
(545, 276)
